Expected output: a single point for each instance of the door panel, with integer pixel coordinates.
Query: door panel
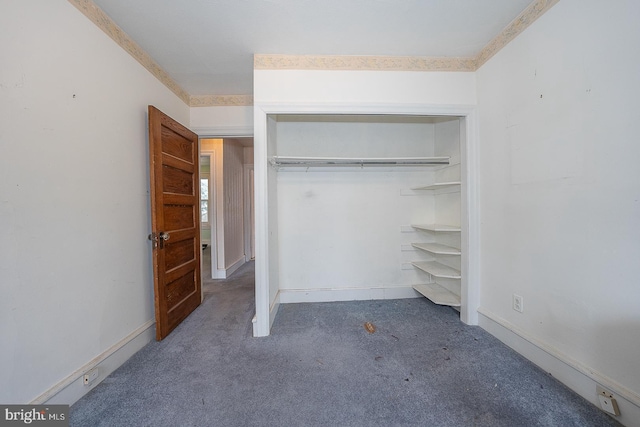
(175, 220)
(178, 217)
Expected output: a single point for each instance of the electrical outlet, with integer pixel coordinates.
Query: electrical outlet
(518, 303)
(607, 401)
(91, 376)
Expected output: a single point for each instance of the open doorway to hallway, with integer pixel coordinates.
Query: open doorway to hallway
(227, 219)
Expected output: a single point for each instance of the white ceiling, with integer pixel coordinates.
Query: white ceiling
(207, 46)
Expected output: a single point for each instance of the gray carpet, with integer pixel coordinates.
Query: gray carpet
(320, 367)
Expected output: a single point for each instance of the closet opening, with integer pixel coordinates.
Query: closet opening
(366, 206)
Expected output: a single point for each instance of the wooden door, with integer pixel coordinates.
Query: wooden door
(175, 220)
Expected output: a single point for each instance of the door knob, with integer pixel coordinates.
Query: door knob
(159, 238)
(163, 238)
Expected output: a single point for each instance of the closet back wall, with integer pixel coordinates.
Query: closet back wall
(339, 228)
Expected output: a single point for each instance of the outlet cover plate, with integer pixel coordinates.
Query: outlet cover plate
(609, 405)
(607, 401)
(91, 376)
(518, 303)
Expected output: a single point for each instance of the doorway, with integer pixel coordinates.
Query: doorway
(227, 221)
(207, 212)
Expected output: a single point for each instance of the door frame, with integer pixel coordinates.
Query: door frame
(249, 208)
(219, 132)
(212, 207)
(267, 286)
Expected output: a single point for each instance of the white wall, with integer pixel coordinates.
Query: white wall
(233, 191)
(364, 87)
(340, 228)
(344, 92)
(222, 121)
(75, 264)
(560, 187)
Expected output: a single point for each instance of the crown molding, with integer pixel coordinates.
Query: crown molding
(315, 62)
(221, 101)
(106, 24)
(407, 63)
(359, 62)
(534, 11)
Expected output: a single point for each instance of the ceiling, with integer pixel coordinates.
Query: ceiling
(207, 46)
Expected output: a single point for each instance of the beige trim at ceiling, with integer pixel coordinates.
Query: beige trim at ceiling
(221, 100)
(379, 63)
(406, 63)
(534, 11)
(315, 62)
(106, 24)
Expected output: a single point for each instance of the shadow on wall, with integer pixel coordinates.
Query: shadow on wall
(616, 347)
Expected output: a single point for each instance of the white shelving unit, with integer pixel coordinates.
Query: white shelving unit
(439, 272)
(436, 248)
(437, 227)
(438, 294)
(439, 185)
(434, 291)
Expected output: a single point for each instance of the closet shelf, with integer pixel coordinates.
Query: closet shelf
(283, 161)
(437, 270)
(438, 185)
(436, 248)
(437, 227)
(438, 294)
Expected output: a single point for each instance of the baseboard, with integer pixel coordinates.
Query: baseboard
(223, 273)
(219, 274)
(572, 373)
(236, 265)
(288, 296)
(273, 309)
(71, 389)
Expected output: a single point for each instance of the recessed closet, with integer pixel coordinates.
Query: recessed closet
(365, 206)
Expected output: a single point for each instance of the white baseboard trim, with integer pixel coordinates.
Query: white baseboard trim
(223, 273)
(288, 296)
(236, 265)
(71, 389)
(273, 309)
(218, 273)
(572, 373)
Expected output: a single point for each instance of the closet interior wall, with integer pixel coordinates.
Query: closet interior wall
(344, 233)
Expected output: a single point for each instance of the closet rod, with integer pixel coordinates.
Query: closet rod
(282, 161)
